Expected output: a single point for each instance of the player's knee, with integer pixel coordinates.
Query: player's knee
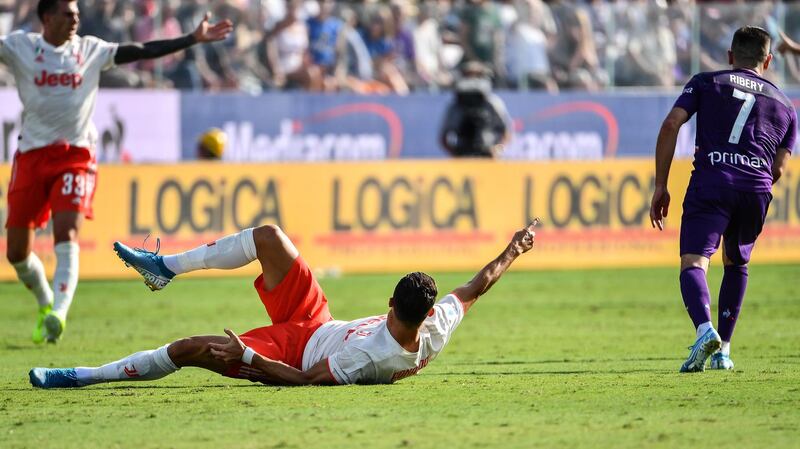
(15, 255)
(187, 350)
(267, 235)
(733, 261)
(694, 261)
(65, 235)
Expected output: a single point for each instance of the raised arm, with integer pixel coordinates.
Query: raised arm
(205, 32)
(521, 243)
(665, 150)
(276, 373)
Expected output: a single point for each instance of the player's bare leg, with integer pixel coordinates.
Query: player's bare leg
(694, 289)
(144, 365)
(66, 227)
(731, 296)
(31, 272)
(275, 252)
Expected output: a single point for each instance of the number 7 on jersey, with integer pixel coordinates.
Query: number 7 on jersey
(744, 112)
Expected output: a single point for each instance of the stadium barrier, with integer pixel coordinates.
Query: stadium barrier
(403, 216)
(163, 126)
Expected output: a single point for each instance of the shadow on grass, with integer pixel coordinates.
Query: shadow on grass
(550, 361)
(148, 386)
(548, 373)
(609, 360)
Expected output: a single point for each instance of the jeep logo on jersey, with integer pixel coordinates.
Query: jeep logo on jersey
(73, 80)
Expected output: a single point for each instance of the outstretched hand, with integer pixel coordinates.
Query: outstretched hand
(206, 32)
(524, 239)
(229, 352)
(659, 207)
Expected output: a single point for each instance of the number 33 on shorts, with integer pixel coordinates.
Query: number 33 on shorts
(79, 186)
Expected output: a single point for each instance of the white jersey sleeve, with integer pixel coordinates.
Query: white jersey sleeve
(351, 365)
(448, 314)
(104, 52)
(9, 48)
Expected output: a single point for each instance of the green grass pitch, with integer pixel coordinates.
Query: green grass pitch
(546, 359)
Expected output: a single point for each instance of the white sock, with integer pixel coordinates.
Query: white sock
(725, 348)
(143, 365)
(65, 279)
(703, 328)
(31, 272)
(233, 251)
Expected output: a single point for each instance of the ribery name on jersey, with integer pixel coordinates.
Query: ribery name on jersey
(46, 78)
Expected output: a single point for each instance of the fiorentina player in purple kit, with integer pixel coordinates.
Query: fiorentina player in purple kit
(746, 129)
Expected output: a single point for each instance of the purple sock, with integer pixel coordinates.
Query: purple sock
(696, 298)
(731, 295)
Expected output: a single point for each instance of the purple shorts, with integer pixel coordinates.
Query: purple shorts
(711, 213)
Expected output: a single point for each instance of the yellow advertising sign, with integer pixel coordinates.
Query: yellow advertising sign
(405, 215)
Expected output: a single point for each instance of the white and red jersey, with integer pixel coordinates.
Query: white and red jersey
(363, 351)
(57, 86)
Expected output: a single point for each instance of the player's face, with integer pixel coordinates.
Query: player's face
(62, 24)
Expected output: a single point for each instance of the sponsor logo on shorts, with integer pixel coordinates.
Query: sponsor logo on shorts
(722, 157)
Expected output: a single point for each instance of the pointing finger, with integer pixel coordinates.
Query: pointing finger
(533, 225)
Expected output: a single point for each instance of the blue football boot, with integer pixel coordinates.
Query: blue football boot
(149, 264)
(702, 349)
(721, 361)
(54, 378)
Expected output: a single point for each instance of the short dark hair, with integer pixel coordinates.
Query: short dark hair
(48, 7)
(750, 45)
(413, 297)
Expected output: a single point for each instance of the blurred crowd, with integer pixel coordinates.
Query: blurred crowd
(400, 46)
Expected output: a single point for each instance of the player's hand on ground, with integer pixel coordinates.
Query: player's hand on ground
(523, 239)
(229, 352)
(206, 32)
(659, 207)
(253, 374)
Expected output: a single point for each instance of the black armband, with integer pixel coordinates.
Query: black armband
(133, 52)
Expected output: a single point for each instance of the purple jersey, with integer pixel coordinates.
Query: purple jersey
(742, 119)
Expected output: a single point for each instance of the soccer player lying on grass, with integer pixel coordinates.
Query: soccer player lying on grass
(304, 345)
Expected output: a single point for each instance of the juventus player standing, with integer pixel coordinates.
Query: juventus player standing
(55, 170)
